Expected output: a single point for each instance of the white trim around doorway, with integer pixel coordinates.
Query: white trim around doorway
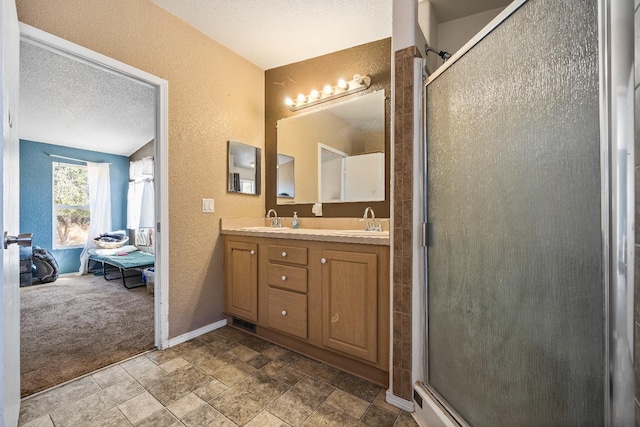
(64, 47)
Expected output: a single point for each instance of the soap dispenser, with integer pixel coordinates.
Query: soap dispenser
(294, 221)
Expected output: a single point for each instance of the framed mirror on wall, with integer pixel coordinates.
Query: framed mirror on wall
(371, 59)
(339, 151)
(243, 168)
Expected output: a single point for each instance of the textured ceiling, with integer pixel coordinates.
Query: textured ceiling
(448, 10)
(71, 103)
(279, 32)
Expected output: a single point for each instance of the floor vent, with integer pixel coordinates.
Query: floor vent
(247, 326)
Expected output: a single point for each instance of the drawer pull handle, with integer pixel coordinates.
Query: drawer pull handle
(284, 254)
(323, 260)
(284, 312)
(335, 318)
(284, 278)
(253, 252)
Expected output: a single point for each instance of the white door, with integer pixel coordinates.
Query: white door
(9, 216)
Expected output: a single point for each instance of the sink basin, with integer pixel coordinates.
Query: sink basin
(362, 233)
(265, 228)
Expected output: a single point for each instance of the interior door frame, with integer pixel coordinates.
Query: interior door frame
(64, 47)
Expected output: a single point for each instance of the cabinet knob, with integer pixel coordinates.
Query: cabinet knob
(284, 312)
(284, 254)
(252, 252)
(284, 278)
(323, 260)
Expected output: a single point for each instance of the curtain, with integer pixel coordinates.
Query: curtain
(99, 207)
(141, 196)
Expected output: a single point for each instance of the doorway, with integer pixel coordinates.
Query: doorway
(159, 152)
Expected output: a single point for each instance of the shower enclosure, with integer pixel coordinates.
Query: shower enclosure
(529, 205)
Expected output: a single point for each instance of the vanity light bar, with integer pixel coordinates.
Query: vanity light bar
(356, 84)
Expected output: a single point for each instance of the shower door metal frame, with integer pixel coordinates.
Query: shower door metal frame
(615, 28)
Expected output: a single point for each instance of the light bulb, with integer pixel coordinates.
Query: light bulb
(343, 84)
(358, 79)
(289, 102)
(328, 90)
(302, 98)
(314, 94)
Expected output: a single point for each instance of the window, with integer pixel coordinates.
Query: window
(71, 215)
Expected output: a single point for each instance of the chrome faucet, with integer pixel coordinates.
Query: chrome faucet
(275, 220)
(370, 225)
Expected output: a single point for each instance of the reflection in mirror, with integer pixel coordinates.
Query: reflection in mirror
(285, 173)
(244, 168)
(354, 128)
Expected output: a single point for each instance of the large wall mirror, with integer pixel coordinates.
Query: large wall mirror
(244, 168)
(338, 152)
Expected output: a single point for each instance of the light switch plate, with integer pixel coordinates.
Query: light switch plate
(207, 205)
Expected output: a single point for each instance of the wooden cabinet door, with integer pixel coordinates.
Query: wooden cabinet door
(350, 303)
(241, 281)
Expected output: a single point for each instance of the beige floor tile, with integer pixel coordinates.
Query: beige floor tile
(222, 421)
(314, 390)
(265, 419)
(182, 407)
(37, 406)
(315, 369)
(243, 353)
(110, 418)
(211, 390)
(275, 352)
(162, 418)
(227, 369)
(140, 407)
(43, 421)
(290, 376)
(174, 364)
(178, 384)
(203, 416)
(163, 356)
(328, 416)
(274, 368)
(355, 385)
(347, 403)
(84, 409)
(381, 402)
(292, 407)
(110, 376)
(377, 417)
(144, 371)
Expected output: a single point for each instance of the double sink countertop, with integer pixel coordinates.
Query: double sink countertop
(341, 230)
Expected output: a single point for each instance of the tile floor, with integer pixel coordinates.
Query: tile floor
(224, 378)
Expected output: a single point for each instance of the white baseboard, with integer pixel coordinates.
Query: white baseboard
(398, 402)
(201, 331)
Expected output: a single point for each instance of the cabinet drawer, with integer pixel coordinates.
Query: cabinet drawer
(289, 254)
(288, 312)
(283, 276)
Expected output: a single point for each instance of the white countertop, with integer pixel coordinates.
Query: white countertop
(353, 232)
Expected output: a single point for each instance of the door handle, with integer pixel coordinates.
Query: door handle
(22, 239)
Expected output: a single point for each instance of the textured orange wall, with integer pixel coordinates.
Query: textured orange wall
(214, 96)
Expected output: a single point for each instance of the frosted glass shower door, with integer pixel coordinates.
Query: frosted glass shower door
(515, 289)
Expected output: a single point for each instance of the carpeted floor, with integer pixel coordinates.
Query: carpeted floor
(79, 324)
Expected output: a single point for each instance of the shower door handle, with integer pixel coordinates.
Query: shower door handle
(22, 239)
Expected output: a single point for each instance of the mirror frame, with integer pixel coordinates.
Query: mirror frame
(256, 170)
(373, 59)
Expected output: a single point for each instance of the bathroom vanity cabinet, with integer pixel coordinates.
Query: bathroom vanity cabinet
(241, 275)
(327, 300)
